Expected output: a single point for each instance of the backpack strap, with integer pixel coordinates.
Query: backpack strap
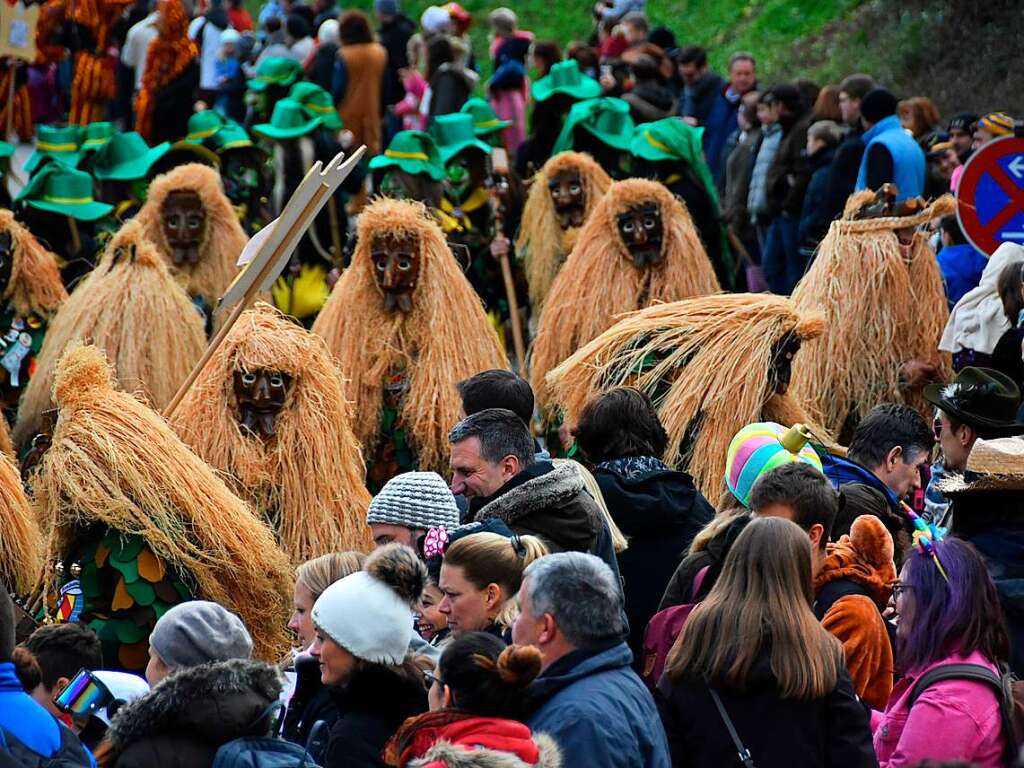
(957, 672)
(698, 582)
(741, 751)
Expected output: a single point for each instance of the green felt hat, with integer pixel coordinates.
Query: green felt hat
(289, 121)
(127, 157)
(413, 152)
(203, 125)
(57, 142)
(6, 150)
(607, 119)
(230, 136)
(95, 136)
(276, 70)
(485, 119)
(317, 103)
(672, 141)
(565, 77)
(454, 134)
(59, 189)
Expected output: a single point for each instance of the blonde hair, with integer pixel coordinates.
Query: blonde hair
(318, 574)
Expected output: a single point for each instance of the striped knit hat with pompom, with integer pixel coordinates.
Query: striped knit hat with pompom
(417, 500)
(761, 447)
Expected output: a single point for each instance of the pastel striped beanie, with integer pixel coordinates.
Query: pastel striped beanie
(760, 448)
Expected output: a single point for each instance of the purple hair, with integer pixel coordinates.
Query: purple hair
(962, 616)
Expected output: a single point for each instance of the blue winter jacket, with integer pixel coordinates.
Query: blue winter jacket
(961, 267)
(600, 713)
(840, 472)
(907, 157)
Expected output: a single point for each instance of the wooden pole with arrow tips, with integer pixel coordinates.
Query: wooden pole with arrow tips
(268, 251)
(499, 189)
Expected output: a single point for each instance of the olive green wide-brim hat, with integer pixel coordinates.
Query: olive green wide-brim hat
(485, 119)
(127, 157)
(454, 134)
(277, 70)
(58, 189)
(317, 103)
(289, 121)
(607, 119)
(57, 142)
(565, 77)
(413, 152)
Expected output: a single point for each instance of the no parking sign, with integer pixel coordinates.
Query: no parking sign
(990, 195)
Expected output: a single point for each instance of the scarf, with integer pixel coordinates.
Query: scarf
(168, 56)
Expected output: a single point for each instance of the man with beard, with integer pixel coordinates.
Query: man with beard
(405, 327)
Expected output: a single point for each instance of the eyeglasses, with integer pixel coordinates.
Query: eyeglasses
(899, 589)
(429, 679)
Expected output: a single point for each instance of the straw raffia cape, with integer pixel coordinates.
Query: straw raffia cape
(444, 339)
(115, 462)
(704, 362)
(542, 242)
(130, 307)
(223, 238)
(307, 481)
(21, 541)
(599, 281)
(881, 310)
(35, 286)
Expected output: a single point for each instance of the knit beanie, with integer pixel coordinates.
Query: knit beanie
(997, 123)
(389, 7)
(761, 447)
(198, 632)
(369, 613)
(415, 500)
(878, 105)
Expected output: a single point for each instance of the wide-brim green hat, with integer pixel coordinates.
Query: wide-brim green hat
(277, 70)
(413, 152)
(317, 102)
(454, 134)
(58, 189)
(203, 125)
(289, 121)
(57, 142)
(6, 150)
(230, 136)
(95, 136)
(607, 119)
(671, 140)
(565, 77)
(127, 157)
(485, 119)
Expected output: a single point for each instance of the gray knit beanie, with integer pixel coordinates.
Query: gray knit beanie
(415, 500)
(197, 632)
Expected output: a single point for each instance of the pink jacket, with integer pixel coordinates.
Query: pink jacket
(951, 720)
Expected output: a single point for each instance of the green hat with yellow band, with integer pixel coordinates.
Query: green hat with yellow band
(6, 150)
(127, 157)
(673, 141)
(230, 136)
(59, 189)
(95, 136)
(413, 152)
(57, 142)
(485, 119)
(317, 103)
(454, 134)
(565, 77)
(289, 121)
(203, 125)
(606, 119)
(277, 70)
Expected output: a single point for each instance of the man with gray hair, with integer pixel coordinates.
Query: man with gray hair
(495, 468)
(587, 696)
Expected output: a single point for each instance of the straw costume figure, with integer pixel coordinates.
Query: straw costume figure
(562, 196)
(269, 412)
(132, 309)
(711, 365)
(21, 553)
(32, 291)
(190, 220)
(878, 284)
(406, 327)
(140, 523)
(638, 248)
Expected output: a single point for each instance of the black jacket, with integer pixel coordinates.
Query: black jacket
(814, 221)
(172, 106)
(394, 36)
(842, 176)
(372, 706)
(659, 511)
(186, 717)
(833, 731)
(311, 702)
(680, 589)
(788, 175)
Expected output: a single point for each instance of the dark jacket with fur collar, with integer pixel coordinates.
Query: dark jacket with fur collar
(189, 715)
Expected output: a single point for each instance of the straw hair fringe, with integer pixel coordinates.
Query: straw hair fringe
(880, 312)
(713, 352)
(599, 282)
(542, 241)
(35, 285)
(6, 447)
(445, 339)
(223, 239)
(308, 481)
(133, 310)
(21, 552)
(115, 461)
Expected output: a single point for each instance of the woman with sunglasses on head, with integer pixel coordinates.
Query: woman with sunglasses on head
(477, 696)
(949, 613)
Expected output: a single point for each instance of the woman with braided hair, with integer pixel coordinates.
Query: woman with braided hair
(172, 75)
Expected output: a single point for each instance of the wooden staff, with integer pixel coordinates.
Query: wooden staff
(499, 166)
